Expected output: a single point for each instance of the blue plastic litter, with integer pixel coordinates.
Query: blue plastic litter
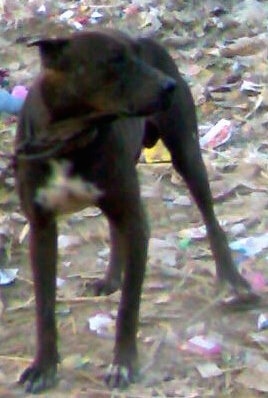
(9, 103)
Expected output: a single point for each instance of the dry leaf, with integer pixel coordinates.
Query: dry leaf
(253, 378)
(244, 46)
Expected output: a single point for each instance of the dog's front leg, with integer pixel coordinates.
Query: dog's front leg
(43, 251)
(124, 210)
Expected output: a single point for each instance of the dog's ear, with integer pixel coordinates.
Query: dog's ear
(50, 50)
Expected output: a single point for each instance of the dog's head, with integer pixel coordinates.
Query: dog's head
(101, 71)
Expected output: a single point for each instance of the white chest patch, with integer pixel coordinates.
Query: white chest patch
(64, 193)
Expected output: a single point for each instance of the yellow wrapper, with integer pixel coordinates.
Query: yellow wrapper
(158, 153)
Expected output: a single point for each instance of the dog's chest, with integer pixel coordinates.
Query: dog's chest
(64, 192)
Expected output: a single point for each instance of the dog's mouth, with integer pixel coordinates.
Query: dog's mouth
(155, 106)
(159, 103)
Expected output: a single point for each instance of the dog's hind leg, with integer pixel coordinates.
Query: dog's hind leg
(178, 130)
(117, 262)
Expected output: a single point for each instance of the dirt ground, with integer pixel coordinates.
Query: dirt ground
(178, 302)
(180, 298)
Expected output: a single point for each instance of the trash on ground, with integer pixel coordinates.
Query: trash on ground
(262, 322)
(60, 282)
(209, 369)
(202, 345)
(256, 279)
(252, 245)
(220, 133)
(8, 275)
(10, 103)
(67, 241)
(102, 324)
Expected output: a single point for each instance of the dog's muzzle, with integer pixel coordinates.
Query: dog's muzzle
(168, 86)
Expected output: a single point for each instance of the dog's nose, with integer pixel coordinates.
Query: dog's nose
(168, 86)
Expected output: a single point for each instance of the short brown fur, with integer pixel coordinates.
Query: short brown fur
(137, 96)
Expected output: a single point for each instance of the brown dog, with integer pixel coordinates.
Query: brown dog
(100, 97)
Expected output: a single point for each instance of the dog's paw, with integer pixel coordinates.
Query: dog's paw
(118, 376)
(102, 287)
(242, 296)
(36, 379)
